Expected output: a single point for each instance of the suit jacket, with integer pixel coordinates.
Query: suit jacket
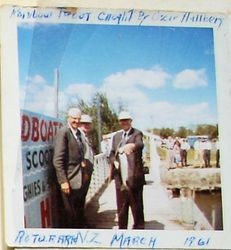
(67, 158)
(135, 160)
(88, 156)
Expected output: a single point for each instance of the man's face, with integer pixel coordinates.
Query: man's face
(125, 124)
(74, 121)
(86, 127)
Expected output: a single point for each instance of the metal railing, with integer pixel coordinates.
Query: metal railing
(99, 176)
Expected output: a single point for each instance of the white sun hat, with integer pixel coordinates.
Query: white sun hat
(124, 115)
(85, 119)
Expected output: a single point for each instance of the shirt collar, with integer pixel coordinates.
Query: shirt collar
(72, 130)
(127, 132)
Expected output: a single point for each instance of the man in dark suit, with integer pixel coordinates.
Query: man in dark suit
(69, 150)
(127, 170)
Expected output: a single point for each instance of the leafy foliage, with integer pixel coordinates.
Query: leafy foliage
(104, 119)
(183, 132)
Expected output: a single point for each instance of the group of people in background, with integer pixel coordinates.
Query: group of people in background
(202, 152)
(178, 148)
(177, 152)
(73, 161)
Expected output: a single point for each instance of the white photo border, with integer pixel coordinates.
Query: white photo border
(16, 234)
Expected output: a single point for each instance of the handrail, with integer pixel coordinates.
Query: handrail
(99, 176)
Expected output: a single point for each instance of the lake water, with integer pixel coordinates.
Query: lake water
(210, 203)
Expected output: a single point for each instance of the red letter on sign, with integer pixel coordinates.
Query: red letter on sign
(50, 131)
(43, 130)
(35, 129)
(45, 213)
(25, 130)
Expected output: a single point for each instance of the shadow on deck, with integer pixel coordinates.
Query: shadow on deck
(161, 211)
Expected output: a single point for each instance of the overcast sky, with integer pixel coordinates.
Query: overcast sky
(165, 76)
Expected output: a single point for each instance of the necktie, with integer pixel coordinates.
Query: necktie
(80, 142)
(78, 134)
(123, 142)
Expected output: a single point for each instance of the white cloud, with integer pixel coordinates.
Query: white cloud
(189, 78)
(153, 78)
(37, 79)
(38, 96)
(83, 91)
(125, 88)
(73, 92)
(173, 115)
(122, 88)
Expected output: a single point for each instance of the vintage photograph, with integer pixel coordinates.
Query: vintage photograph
(157, 83)
(117, 128)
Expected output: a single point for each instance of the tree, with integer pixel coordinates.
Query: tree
(207, 129)
(166, 132)
(183, 132)
(104, 119)
(109, 118)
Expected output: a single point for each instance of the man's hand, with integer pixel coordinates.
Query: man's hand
(65, 187)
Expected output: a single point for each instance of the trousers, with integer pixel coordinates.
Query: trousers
(132, 198)
(74, 204)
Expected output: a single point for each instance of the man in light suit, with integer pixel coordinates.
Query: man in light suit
(69, 150)
(88, 162)
(127, 170)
